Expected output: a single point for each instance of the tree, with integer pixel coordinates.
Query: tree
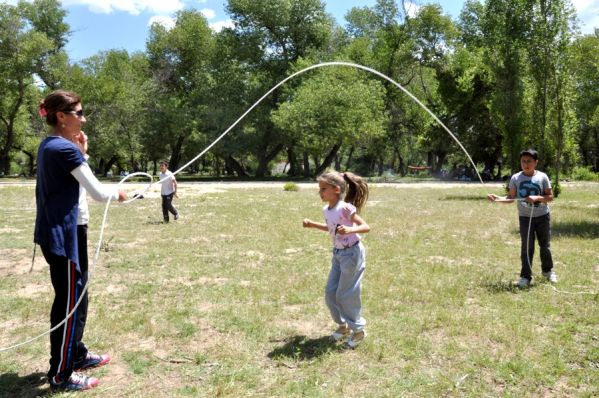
(113, 86)
(272, 36)
(179, 60)
(332, 109)
(23, 50)
(505, 25)
(381, 38)
(584, 61)
(549, 38)
(47, 17)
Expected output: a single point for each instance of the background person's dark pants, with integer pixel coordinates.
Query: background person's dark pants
(81, 349)
(167, 205)
(540, 228)
(67, 282)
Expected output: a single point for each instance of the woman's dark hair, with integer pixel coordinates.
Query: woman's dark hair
(58, 101)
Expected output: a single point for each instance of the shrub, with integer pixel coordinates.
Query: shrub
(584, 174)
(290, 186)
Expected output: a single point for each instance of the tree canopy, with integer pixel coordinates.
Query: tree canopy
(503, 76)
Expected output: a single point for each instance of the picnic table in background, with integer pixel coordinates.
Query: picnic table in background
(416, 169)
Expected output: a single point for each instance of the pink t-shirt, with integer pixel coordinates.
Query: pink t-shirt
(341, 214)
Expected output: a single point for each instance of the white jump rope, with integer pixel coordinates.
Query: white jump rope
(96, 255)
(532, 209)
(321, 65)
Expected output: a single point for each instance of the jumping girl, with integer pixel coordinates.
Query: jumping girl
(343, 289)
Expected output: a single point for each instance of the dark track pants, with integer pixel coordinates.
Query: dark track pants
(68, 280)
(540, 228)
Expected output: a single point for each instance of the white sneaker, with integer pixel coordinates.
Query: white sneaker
(356, 338)
(523, 283)
(550, 276)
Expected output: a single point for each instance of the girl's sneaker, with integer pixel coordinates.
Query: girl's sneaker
(76, 382)
(92, 361)
(356, 338)
(342, 332)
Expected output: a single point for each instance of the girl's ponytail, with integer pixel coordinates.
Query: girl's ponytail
(357, 190)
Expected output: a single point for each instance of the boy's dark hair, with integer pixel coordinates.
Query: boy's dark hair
(530, 152)
(164, 162)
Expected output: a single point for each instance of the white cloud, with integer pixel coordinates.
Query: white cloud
(412, 8)
(164, 20)
(589, 24)
(588, 14)
(133, 7)
(220, 25)
(582, 5)
(209, 13)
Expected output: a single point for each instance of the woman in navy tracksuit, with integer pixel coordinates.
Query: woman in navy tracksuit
(61, 170)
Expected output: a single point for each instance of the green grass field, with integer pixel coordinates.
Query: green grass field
(228, 301)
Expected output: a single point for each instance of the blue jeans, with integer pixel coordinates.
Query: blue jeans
(344, 286)
(540, 228)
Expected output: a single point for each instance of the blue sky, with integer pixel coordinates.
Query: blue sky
(98, 25)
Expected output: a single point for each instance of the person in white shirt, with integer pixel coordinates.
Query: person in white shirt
(168, 189)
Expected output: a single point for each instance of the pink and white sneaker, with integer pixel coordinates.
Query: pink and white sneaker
(92, 361)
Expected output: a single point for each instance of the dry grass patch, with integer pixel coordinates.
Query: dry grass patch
(228, 301)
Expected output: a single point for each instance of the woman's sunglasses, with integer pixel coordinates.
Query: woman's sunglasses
(78, 113)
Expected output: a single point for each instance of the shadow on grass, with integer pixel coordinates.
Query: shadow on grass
(301, 348)
(155, 222)
(582, 229)
(502, 286)
(15, 386)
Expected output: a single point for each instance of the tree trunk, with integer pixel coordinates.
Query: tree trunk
(234, 165)
(596, 160)
(349, 158)
(265, 158)
(401, 167)
(31, 158)
(328, 159)
(294, 167)
(306, 165)
(10, 133)
(173, 163)
(338, 162)
(108, 165)
(560, 134)
(430, 159)
(441, 156)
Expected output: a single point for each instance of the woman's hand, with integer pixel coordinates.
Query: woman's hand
(80, 139)
(122, 196)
